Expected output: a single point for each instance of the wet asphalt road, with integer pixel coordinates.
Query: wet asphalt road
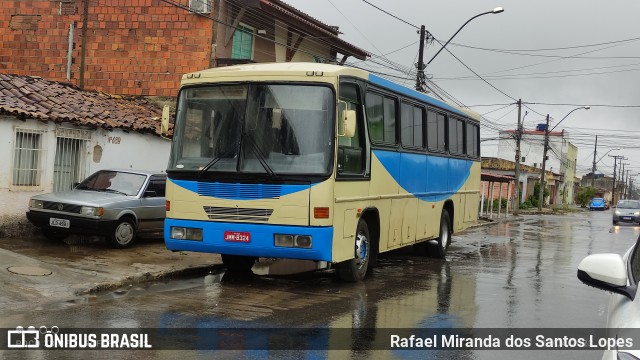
(511, 275)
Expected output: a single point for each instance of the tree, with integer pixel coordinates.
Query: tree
(533, 199)
(584, 195)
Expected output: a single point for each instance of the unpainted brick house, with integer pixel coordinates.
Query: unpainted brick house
(142, 47)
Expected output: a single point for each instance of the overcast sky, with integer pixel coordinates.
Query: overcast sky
(583, 74)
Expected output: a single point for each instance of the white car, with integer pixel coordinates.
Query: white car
(619, 275)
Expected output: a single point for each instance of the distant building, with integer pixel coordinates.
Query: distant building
(561, 159)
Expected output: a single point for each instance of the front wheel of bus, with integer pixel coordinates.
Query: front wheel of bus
(355, 269)
(238, 263)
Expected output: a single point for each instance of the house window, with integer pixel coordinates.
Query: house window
(242, 43)
(200, 6)
(28, 158)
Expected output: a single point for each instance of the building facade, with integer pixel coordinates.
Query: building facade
(142, 47)
(561, 159)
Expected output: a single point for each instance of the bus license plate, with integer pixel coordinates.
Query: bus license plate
(237, 236)
(63, 223)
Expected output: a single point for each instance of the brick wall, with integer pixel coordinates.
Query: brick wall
(133, 47)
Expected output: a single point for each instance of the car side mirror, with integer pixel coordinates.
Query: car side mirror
(606, 272)
(150, 193)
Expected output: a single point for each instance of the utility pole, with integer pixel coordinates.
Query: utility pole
(613, 188)
(516, 190)
(593, 169)
(420, 78)
(622, 179)
(626, 186)
(544, 164)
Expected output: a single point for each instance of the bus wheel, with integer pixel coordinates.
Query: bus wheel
(238, 263)
(355, 269)
(444, 239)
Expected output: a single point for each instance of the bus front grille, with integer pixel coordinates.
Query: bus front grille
(240, 191)
(237, 214)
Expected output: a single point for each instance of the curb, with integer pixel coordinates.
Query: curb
(145, 277)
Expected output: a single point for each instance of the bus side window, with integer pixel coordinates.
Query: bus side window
(350, 150)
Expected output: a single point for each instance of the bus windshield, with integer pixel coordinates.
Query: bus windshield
(274, 129)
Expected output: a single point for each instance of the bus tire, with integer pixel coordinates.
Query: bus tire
(444, 239)
(238, 263)
(354, 270)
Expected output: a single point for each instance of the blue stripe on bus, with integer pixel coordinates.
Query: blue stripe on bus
(415, 94)
(428, 177)
(238, 191)
(262, 239)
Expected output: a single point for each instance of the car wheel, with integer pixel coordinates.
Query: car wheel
(238, 263)
(615, 222)
(55, 235)
(123, 235)
(354, 270)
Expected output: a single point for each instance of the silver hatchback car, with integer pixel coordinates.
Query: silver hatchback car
(117, 204)
(627, 211)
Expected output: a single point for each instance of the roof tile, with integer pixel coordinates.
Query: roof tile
(40, 99)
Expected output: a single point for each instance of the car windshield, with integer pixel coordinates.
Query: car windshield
(273, 129)
(113, 181)
(598, 199)
(628, 204)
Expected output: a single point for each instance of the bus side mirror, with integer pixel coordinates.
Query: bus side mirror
(165, 120)
(348, 123)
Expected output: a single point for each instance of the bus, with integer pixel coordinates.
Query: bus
(316, 162)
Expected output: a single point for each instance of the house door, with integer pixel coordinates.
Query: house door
(70, 164)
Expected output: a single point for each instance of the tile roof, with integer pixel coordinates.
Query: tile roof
(29, 97)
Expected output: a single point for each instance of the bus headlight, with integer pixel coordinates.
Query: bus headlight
(286, 240)
(184, 233)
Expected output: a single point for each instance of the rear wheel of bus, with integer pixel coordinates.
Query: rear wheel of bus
(444, 239)
(238, 263)
(355, 269)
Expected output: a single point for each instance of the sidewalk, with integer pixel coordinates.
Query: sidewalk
(72, 272)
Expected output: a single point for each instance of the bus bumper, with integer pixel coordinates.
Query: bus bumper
(260, 244)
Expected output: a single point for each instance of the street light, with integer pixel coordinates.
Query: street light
(420, 78)
(544, 155)
(497, 10)
(605, 154)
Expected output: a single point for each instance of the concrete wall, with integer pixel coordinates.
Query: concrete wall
(118, 150)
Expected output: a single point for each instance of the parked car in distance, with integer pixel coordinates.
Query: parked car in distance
(620, 276)
(597, 204)
(117, 204)
(627, 211)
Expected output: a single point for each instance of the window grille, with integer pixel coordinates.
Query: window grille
(70, 164)
(28, 158)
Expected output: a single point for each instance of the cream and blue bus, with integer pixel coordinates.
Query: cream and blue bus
(316, 162)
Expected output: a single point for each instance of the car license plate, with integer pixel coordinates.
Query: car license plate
(626, 218)
(63, 223)
(237, 236)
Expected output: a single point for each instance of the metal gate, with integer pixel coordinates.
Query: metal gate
(70, 165)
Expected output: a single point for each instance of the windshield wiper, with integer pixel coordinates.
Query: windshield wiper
(259, 154)
(114, 191)
(215, 160)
